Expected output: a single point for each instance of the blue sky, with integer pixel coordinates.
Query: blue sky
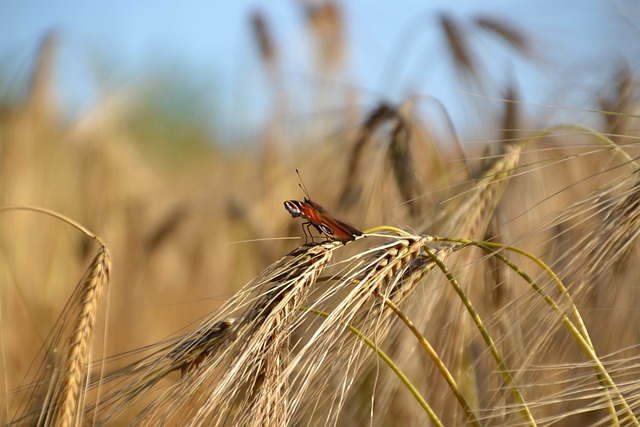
(394, 47)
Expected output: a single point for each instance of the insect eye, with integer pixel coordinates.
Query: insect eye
(325, 229)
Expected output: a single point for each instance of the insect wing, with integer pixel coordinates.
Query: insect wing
(313, 212)
(341, 230)
(321, 220)
(334, 228)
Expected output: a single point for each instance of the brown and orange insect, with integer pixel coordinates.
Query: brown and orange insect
(319, 218)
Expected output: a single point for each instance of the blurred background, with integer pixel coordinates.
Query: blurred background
(206, 62)
(174, 131)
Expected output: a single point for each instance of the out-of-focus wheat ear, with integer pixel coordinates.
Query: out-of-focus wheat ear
(620, 110)
(270, 57)
(506, 32)
(458, 46)
(471, 217)
(402, 163)
(326, 22)
(511, 115)
(166, 228)
(80, 340)
(41, 101)
(605, 248)
(622, 228)
(264, 40)
(351, 189)
(605, 252)
(495, 230)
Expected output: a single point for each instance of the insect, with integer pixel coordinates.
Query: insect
(319, 218)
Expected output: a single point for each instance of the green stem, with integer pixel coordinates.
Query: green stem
(412, 389)
(599, 137)
(524, 409)
(473, 420)
(580, 334)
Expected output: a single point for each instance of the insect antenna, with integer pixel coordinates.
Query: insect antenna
(302, 186)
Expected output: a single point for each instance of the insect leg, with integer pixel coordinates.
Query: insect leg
(307, 231)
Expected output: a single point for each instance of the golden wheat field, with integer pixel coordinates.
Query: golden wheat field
(496, 281)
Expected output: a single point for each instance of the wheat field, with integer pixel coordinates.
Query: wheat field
(496, 283)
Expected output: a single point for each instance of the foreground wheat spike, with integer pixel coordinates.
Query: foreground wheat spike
(79, 345)
(192, 352)
(333, 359)
(250, 384)
(258, 369)
(230, 370)
(57, 395)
